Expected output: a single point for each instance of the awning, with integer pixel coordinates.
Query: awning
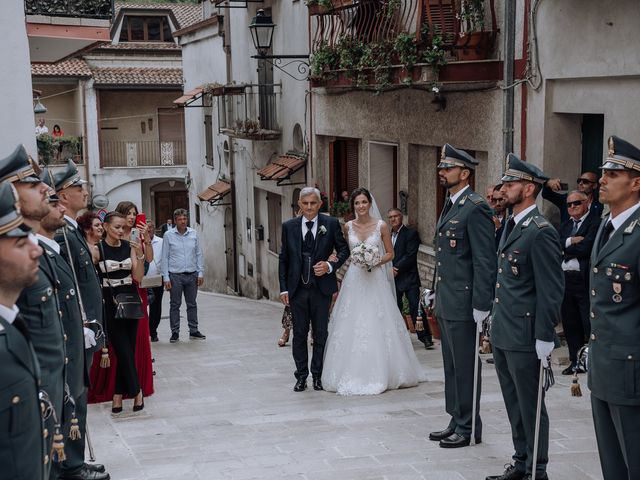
(282, 168)
(215, 193)
(189, 97)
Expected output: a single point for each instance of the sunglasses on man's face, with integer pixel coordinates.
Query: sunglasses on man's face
(585, 180)
(574, 204)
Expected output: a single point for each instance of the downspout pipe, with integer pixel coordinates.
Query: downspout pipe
(508, 77)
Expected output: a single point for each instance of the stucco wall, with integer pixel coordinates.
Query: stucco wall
(15, 76)
(64, 107)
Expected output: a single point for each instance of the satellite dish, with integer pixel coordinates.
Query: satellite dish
(100, 201)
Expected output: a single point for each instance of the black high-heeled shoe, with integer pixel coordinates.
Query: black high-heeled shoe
(137, 408)
(116, 409)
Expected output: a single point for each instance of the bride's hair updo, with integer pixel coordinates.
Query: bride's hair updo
(355, 193)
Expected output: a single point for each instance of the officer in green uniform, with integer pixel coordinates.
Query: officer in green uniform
(38, 303)
(614, 348)
(22, 436)
(466, 269)
(528, 296)
(77, 369)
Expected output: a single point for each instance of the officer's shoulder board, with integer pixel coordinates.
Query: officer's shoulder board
(631, 227)
(475, 198)
(540, 221)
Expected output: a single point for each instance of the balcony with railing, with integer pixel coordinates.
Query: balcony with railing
(58, 28)
(142, 154)
(383, 44)
(248, 111)
(57, 150)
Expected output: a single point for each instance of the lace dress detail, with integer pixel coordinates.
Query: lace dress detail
(368, 350)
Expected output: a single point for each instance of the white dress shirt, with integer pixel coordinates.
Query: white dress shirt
(573, 265)
(314, 229)
(155, 267)
(52, 244)
(454, 198)
(619, 219)
(71, 220)
(9, 314)
(519, 217)
(395, 233)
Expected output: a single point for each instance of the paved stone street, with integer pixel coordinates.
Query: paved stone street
(224, 409)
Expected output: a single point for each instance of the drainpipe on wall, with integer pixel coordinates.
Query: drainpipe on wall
(508, 76)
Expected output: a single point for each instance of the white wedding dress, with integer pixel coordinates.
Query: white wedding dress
(368, 350)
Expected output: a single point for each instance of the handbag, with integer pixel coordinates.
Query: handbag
(128, 305)
(151, 281)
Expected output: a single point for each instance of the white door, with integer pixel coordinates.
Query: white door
(382, 175)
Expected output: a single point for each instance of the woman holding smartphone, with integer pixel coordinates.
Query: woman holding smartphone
(120, 264)
(103, 380)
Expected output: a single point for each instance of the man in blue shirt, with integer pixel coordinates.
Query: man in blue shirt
(183, 272)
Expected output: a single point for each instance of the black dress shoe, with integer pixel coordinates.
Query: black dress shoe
(455, 440)
(197, 335)
(510, 473)
(85, 474)
(428, 344)
(95, 467)
(436, 436)
(490, 361)
(154, 338)
(317, 384)
(301, 385)
(538, 477)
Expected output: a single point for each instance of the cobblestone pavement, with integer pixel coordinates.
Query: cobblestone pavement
(224, 409)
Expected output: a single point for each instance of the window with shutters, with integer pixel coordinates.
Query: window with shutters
(274, 212)
(137, 28)
(208, 139)
(343, 164)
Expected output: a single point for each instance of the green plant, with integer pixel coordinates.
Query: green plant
(435, 54)
(391, 7)
(340, 209)
(46, 148)
(406, 48)
(324, 58)
(472, 15)
(350, 51)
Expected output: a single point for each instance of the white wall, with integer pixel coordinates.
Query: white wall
(16, 121)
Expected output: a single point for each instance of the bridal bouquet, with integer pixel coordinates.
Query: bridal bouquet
(365, 255)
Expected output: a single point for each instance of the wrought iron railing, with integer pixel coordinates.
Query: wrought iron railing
(100, 9)
(249, 110)
(134, 153)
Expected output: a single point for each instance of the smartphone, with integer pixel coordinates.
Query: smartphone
(141, 217)
(564, 186)
(135, 235)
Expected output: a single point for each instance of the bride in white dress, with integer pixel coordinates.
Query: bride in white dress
(368, 350)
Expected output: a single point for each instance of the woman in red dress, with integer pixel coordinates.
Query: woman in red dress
(103, 380)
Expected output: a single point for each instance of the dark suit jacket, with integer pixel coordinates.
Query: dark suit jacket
(406, 259)
(290, 261)
(582, 251)
(560, 201)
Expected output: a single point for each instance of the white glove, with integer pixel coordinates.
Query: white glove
(479, 317)
(544, 349)
(89, 338)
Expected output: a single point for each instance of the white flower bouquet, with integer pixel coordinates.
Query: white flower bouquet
(365, 256)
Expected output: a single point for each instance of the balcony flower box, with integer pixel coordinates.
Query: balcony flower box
(473, 46)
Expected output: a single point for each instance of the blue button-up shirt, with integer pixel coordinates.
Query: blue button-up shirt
(181, 253)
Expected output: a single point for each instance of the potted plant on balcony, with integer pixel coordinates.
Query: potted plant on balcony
(474, 42)
(324, 59)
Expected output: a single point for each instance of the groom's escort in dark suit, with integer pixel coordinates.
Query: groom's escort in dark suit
(528, 296)
(575, 305)
(466, 269)
(304, 243)
(406, 242)
(614, 347)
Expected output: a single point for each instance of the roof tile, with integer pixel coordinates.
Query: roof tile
(137, 76)
(186, 13)
(215, 192)
(74, 67)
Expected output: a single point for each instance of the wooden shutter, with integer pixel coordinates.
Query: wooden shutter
(351, 158)
(208, 139)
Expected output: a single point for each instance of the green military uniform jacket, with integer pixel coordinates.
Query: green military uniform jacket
(77, 371)
(39, 308)
(88, 280)
(529, 287)
(614, 348)
(465, 259)
(22, 443)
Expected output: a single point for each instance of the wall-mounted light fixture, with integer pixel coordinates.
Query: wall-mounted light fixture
(39, 107)
(261, 28)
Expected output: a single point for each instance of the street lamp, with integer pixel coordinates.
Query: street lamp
(39, 107)
(261, 28)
